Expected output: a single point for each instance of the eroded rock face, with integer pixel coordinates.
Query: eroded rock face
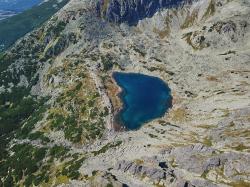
(131, 11)
(235, 166)
(154, 173)
(232, 131)
(195, 158)
(201, 159)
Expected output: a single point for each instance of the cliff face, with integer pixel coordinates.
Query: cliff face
(131, 11)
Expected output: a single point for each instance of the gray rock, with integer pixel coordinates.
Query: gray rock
(228, 27)
(195, 158)
(211, 163)
(236, 121)
(131, 11)
(183, 183)
(200, 159)
(235, 166)
(202, 183)
(243, 24)
(192, 149)
(154, 173)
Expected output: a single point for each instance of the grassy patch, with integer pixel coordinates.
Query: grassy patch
(241, 147)
(105, 148)
(179, 114)
(190, 20)
(58, 151)
(207, 141)
(152, 136)
(139, 161)
(212, 78)
(162, 33)
(210, 10)
(240, 183)
(71, 168)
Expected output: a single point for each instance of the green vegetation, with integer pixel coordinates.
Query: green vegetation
(107, 147)
(80, 123)
(15, 108)
(139, 51)
(23, 116)
(204, 174)
(240, 183)
(17, 26)
(76, 112)
(208, 141)
(190, 19)
(71, 168)
(58, 28)
(4, 63)
(210, 10)
(39, 136)
(179, 114)
(241, 147)
(27, 166)
(73, 129)
(29, 123)
(19, 112)
(107, 62)
(58, 151)
(20, 164)
(152, 136)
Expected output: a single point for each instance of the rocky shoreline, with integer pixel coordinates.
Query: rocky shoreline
(117, 104)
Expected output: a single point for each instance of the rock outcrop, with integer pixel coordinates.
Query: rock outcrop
(131, 11)
(156, 174)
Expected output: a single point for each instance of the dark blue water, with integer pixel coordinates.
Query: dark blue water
(144, 97)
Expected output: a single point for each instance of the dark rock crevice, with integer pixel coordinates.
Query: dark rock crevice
(131, 11)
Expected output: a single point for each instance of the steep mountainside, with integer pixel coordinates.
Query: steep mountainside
(10, 8)
(17, 26)
(131, 11)
(18, 5)
(6, 14)
(58, 98)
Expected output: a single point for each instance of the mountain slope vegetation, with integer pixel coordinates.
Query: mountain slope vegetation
(17, 26)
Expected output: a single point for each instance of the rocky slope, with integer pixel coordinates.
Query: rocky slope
(131, 11)
(56, 115)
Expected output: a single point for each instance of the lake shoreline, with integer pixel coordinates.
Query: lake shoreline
(117, 123)
(154, 92)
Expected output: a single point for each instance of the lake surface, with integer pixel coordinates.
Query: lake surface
(144, 98)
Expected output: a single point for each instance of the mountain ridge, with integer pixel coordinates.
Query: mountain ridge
(132, 11)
